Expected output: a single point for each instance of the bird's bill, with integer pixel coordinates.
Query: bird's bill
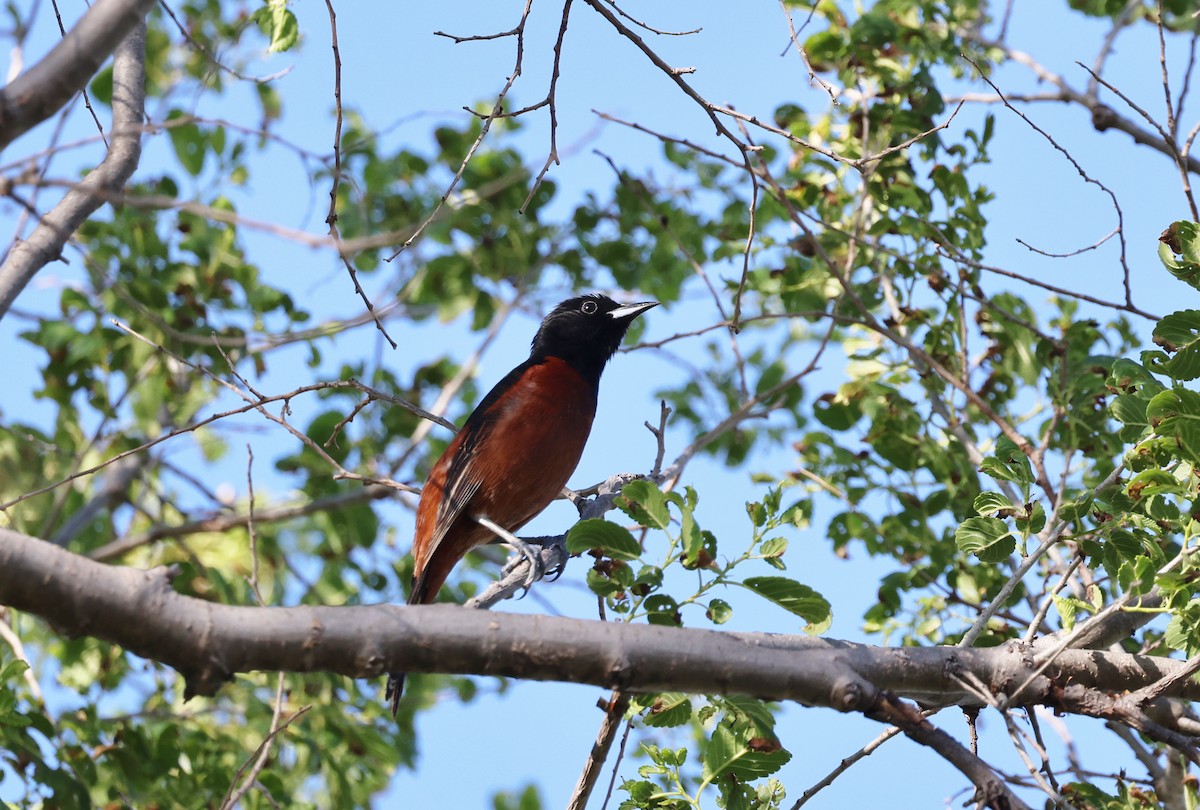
(628, 312)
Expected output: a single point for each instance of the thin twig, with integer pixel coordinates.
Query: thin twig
(552, 157)
(253, 533)
(1082, 173)
(612, 782)
(845, 765)
(262, 753)
(660, 434)
(332, 217)
(87, 99)
(813, 78)
(651, 29)
(222, 521)
(497, 110)
(614, 712)
(10, 637)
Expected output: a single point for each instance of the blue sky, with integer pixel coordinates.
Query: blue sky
(403, 79)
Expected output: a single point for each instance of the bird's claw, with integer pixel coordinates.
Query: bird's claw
(532, 550)
(556, 570)
(537, 570)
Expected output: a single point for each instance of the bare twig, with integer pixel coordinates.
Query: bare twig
(614, 712)
(1082, 173)
(1050, 255)
(1006, 590)
(221, 521)
(641, 24)
(639, 192)
(252, 403)
(9, 635)
(990, 789)
(612, 781)
(660, 435)
(845, 765)
(1103, 116)
(254, 536)
(813, 78)
(711, 110)
(1048, 600)
(497, 110)
(44, 88)
(552, 157)
(1091, 299)
(331, 218)
(258, 760)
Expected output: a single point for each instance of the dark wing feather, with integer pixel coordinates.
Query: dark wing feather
(463, 476)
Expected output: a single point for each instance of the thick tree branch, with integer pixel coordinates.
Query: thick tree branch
(42, 90)
(208, 643)
(46, 242)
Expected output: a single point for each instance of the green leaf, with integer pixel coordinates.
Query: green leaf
(1128, 377)
(189, 143)
(691, 537)
(600, 535)
(645, 503)
(986, 538)
(1008, 463)
(648, 579)
(1033, 522)
(795, 598)
(1176, 413)
(1066, 610)
(1179, 335)
(1153, 482)
(736, 754)
(12, 670)
(666, 710)
(993, 503)
(775, 547)
(1181, 631)
(662, 609)
(701, 550)
(610, 580)
(719, 611)
(279, 24)
(1129, 409)
(1182, 239)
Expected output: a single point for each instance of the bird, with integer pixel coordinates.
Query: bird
(519, 446)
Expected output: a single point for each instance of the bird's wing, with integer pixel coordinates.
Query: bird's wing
(458, 475)
(466, 474)
(462, 482)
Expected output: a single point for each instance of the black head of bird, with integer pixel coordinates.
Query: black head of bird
(586, 332)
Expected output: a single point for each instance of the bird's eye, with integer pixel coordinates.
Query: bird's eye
(589, 308)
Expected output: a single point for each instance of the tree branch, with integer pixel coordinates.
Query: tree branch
(208, 643)
(42, 90)
(990, 789)
(46, 242)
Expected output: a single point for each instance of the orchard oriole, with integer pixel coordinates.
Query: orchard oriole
(519, 446)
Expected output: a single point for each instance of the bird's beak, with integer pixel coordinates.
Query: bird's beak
(627, 312)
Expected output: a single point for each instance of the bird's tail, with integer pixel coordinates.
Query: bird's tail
(395, 689)
(395, 681)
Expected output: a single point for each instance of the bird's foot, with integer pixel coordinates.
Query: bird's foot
(537, 569)
(547, 558)
(553, 554)
(530, 553)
